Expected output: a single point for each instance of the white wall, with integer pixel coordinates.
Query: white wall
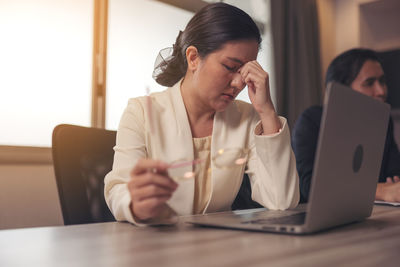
(380, 24)
(347, 18)
(345, 24)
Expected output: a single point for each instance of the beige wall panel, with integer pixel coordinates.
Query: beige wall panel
(28, 196)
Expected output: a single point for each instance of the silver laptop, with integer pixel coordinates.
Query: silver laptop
(346, 169)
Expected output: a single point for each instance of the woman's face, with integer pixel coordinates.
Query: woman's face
(370, 81)
(217, 79)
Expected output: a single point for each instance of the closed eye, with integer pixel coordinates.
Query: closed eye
(229, 68)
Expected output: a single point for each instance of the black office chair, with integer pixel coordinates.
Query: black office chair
(243, 198)
(82, 156)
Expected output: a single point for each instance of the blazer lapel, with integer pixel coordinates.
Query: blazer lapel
(182, 199)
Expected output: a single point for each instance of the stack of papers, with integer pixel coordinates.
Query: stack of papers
(379, 202)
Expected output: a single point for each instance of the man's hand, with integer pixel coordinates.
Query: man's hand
(389, 191)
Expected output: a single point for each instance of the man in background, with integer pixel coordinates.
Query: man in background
(361, 70)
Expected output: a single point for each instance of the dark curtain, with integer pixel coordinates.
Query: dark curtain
(391, 67)
(296, 54)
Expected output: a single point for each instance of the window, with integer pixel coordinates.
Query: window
(46, 60)
(137, 31)
(45, 68)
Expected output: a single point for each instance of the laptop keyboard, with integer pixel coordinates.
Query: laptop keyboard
(293, 219)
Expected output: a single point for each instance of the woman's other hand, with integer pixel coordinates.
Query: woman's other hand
(257, 81)
(150, 188)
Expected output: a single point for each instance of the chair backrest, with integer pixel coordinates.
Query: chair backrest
(82, 156)
(243, 198)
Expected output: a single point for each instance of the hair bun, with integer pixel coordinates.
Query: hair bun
(161, 61)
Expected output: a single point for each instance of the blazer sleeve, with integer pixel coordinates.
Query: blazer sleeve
(130, 147)
(272, 169)
(304, 143)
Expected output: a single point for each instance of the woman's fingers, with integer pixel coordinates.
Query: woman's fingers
(151, 191)
(256, 70)
(257, 80)
(149, 178)
(254, 79)
(149, 201)
(149, 208)
(150, 187)
(145, 165)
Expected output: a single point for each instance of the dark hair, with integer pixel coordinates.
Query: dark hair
(346, 66)
(208, 30)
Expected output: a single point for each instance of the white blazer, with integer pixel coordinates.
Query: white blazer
(271, 166)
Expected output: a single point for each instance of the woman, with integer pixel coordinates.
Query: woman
(213, 59)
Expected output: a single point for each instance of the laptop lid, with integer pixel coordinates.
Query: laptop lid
(348, 158)
(347, 163)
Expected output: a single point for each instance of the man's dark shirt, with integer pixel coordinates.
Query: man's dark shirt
(304, 144)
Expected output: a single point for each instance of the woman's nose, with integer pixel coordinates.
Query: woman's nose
(237, 81)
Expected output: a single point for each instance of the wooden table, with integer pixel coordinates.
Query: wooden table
(374, 242)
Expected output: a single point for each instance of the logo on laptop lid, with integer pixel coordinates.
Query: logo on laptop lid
(358, 158)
